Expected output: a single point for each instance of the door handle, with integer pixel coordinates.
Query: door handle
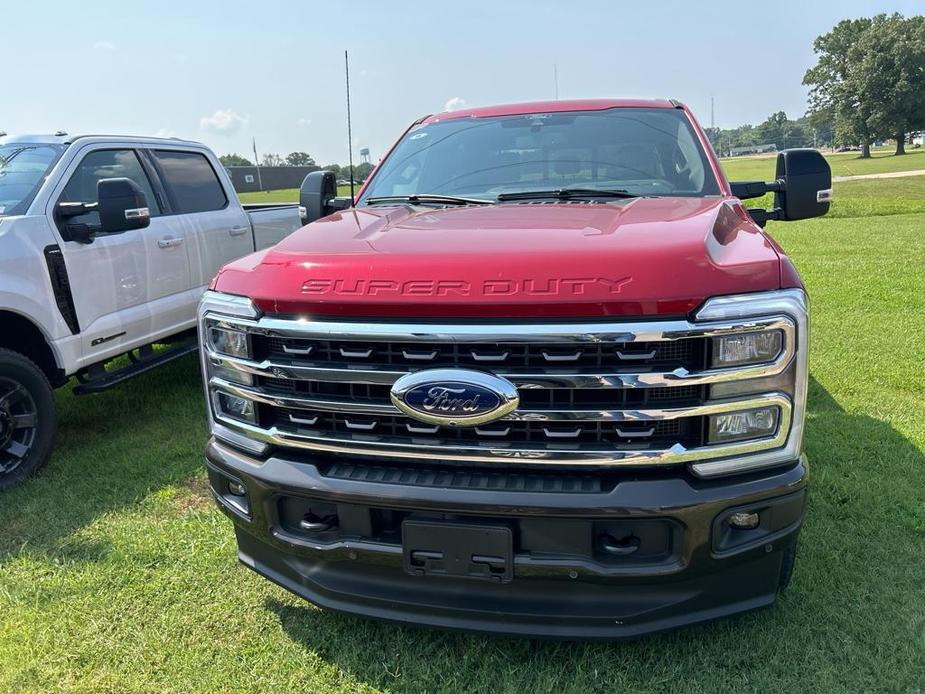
(169, 242)
(237, 231)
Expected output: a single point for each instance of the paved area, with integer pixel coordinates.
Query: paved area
(891, 174)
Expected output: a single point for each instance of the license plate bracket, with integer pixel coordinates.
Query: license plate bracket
(466, 550)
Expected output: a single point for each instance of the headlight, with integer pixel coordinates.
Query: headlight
(747, 348)
(234, 407)
(232, 343)
(757, 350)
(740, 426)
(217, 335)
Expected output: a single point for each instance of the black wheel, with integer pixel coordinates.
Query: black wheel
(786, 567)
(27, 418)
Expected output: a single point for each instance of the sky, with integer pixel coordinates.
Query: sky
(228, 72)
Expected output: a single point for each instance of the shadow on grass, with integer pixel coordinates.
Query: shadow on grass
(863, 533)
(112, 450)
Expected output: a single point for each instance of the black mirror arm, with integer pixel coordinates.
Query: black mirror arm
(744, 190)
(762, 216)
(66, 210)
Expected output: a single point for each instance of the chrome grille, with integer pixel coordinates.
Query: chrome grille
(689, 353)
(687, 430)
(590, 393)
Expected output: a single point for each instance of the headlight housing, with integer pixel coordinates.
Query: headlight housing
(222, 340)
(232, 343)
(743, 426)
(746, 349)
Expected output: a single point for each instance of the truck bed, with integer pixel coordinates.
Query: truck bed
(272, 223)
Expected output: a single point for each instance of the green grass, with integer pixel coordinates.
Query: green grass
(286, 195)
(869, 197)
(844, 164)
(118, 574)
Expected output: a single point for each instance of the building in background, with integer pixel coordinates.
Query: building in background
(246, 179)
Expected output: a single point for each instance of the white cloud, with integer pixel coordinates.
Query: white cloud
(164, 132)
(104, 46)
(304, 122)
(454, 104)
(223, 122)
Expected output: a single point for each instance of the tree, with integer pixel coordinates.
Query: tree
(835, 81)
(335, 168)
(271, 160)
(363, 170)
(234, 160)
(299, 159)
(868, 78)
(892, 75)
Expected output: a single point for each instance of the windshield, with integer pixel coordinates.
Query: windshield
(23, 167)
(642, 151)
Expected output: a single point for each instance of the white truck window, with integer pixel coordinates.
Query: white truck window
(106, 163)
(192, 180)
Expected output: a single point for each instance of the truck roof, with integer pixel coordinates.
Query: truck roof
(551, 107)
(63, 138)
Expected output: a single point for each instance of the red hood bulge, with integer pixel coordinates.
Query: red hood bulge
(643, 256)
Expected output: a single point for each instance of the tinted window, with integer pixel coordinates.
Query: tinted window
(646, 151)
(192, 181)
(22, 169)
(106, 163)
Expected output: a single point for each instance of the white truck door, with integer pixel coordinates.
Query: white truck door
(217, 227)
(125, 286)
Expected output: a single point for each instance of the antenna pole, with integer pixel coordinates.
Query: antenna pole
(349, 130)
(555, 79)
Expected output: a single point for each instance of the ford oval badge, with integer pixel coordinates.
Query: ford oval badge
(454, 397)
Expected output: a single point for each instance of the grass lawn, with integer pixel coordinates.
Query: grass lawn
(118, 574)
(285, 195)
(844, 164)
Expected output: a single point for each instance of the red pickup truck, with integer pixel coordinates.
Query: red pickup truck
(545, 375)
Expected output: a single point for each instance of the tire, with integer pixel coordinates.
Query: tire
(786, 567)
(28, 419)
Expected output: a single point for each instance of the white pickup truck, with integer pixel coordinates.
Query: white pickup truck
(106, 246)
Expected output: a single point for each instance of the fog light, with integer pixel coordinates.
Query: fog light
(750, 424)
(237, 489)
(744, 520)
(747, 348)
(233, 343)
(235, 407)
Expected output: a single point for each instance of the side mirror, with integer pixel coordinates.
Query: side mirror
(317, 195)
(802, 189)
(122, 205)
(807, 184)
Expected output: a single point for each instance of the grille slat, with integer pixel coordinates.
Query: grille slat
(688, 353)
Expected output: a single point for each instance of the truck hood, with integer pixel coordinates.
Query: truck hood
(643, 256)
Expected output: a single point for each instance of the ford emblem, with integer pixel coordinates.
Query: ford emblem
(454, 397)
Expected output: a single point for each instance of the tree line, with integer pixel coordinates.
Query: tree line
(360, 171)
(869, 79)
(778, 130)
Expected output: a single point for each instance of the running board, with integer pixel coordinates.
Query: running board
(96, 379)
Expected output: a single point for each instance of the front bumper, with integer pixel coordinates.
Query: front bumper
(689, 566)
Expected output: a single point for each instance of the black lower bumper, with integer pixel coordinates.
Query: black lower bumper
(638, 554)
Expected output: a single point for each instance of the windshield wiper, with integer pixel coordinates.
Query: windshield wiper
(428, 197)
(566, 193)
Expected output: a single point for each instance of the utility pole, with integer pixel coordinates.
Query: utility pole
(257, 164)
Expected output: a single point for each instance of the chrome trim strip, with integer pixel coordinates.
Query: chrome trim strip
(539, 333)
(520, 377)
(519, 415)
(562, 454)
